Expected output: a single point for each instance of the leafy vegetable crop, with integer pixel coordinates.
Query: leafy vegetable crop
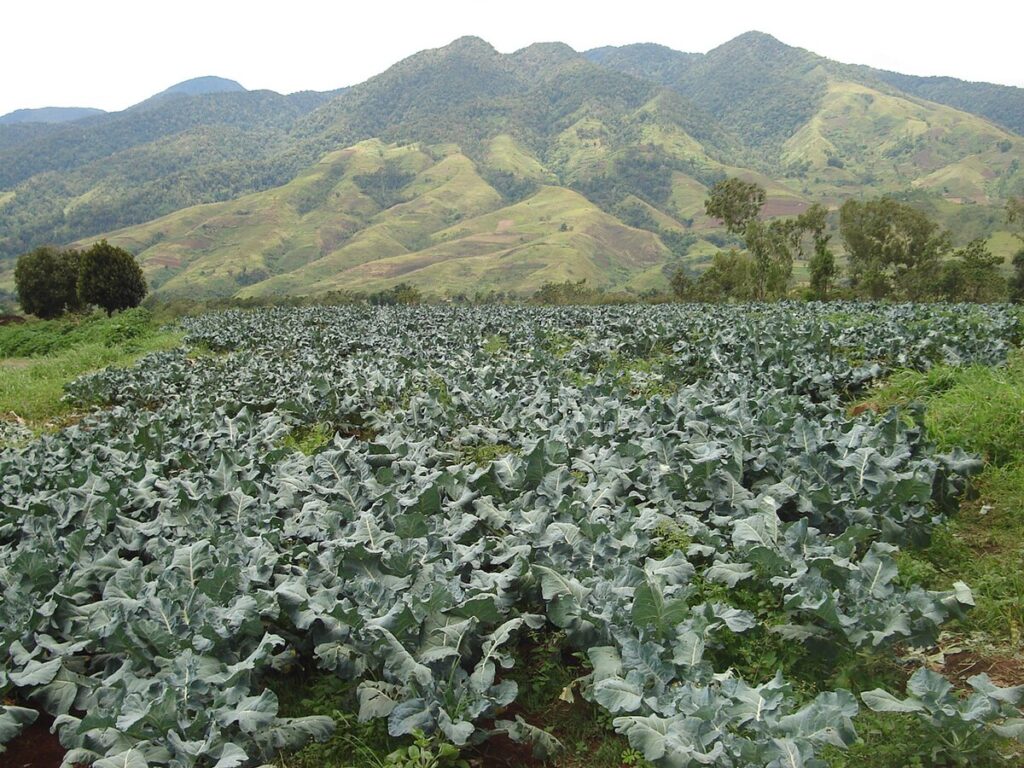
(160, 558)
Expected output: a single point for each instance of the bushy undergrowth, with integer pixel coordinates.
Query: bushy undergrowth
(46, 337)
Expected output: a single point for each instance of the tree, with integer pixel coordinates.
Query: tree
(893, 249)
(736, 203)
(771, 245)
(1015, 215)
(973, 275)
(47, 281)
(730, 276)
(110, 278)
(822, 264)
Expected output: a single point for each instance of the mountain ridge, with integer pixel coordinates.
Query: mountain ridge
(335, 189)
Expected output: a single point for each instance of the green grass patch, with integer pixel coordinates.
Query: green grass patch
(982, 411)
(55, 352)
(45, 337)
(309, 438)
(978, 409)
(485, 453)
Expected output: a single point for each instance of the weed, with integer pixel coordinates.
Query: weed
(485, 453)
(309, 438)
(495, 343)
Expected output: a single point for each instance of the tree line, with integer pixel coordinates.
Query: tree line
(51, 281)
(893, 252)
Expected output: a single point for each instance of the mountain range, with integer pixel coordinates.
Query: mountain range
(462, 169)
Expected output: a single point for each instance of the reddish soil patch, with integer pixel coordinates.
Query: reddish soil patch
(36, 747)
(165, 261)
(502, 752)
(1004, 671)
(860, 408)
(11, 319)
(777, 207)
(504, 226)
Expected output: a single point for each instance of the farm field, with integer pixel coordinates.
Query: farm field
(673, 535)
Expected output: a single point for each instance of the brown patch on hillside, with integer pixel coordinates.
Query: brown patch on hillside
(926, 160)
(165, 261)
(632, 247)
(783, 207)
(495, 239)
(504, 226)
(197, 243)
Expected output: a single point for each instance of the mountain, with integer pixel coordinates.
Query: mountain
(48, 115)
(64, 182)
(1002, 104)
(199, 86)
(462, 169)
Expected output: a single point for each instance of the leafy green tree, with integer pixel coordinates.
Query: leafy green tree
(736, 203)
(822, 264)
(403, 293)
(47, 281)
(1015, 215)
(772, 245)
(893, 249)
(682, 285)
(730, 276)
(110, 278)
(973, 275)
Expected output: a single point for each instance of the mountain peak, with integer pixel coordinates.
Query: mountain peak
(198, 86)
(470, 44)
(757, 44)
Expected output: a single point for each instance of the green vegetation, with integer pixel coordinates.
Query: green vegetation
(892, 248)
(47, 282)
(110, 278)
(50, 282)
(981, 410)
(38, 358)
(531, 532)
(422, 175)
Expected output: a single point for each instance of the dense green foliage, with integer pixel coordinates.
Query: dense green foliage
(47, 281)
(38, 358)
(673, 482)
(765, 270)
(109, 277)
(38, 339)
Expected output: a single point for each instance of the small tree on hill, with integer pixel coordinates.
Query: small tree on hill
(893, 250)
(772, 245)
(1015, 215)
(973, 275)
(110, 278)
(47, 281)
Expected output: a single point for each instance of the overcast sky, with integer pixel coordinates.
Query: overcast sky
(111, 54)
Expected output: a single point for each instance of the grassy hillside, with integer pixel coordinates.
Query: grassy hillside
(254, 194)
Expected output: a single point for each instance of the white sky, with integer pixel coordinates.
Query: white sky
(111, 54)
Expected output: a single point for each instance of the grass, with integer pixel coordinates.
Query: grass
(52, 353)
(309, 439)
(980, 410)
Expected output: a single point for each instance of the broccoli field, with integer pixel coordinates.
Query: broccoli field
(397, 495)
